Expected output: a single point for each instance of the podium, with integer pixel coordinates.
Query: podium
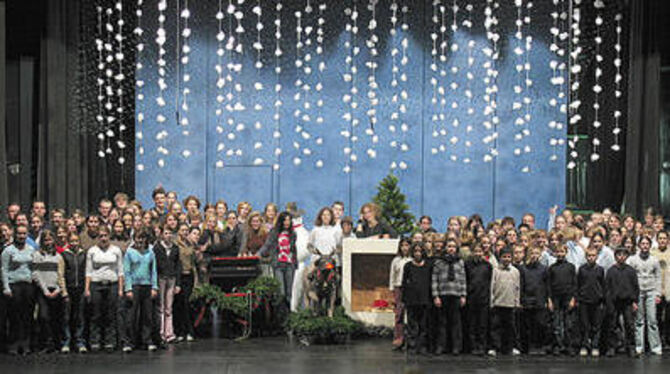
(366, 264)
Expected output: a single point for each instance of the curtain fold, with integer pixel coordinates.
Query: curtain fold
(4, 193)
(69, 172)
(644, 115)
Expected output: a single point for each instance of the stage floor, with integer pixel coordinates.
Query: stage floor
(275, 355)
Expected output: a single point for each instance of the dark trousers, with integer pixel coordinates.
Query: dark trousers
(535, 323)
(4, 300)
(22, 305)
(140, 316)
(663, 318)
(590, 320)
(417, 327)
(562, 322)
(105, 301)
(625, 310)
(478, 323)
(433, 321)
(182, 307)
(449, 325)
(73, 325)
(50, 319)
(503, 329)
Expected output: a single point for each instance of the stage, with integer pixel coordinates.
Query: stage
(276, 355)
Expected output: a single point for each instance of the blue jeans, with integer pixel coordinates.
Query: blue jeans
(284, 274)
(647, 311)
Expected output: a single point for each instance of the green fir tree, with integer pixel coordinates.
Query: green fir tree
(393, 206)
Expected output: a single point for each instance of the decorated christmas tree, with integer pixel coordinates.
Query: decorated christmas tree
(393, 206)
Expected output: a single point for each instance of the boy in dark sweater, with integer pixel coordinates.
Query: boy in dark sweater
(534, 301)
(590, 286)
(562, 285)
(416, 297)
(478, 279)
(623, 291)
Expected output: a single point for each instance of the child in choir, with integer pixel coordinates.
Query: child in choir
(648, 271)
(561, 290)
(478, 279)
(590, 297)
(49, 278)
(141, 287)
(505, 298)
(74, 257)
(662, 253)
(395, 285)
(416, 283)
(534, 301)
(449, 292)
(622, 293)
(168, 267)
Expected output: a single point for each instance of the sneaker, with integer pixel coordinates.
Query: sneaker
(583, 352)
(95, 347)
(65, 349)
(151, 348)
(190, 338)
(127, 349)
(171, 340)
(491, 353)
(180, 339)
(657, 351)
(595, 352)
(83, 349)
(109, 347)
(515, 352)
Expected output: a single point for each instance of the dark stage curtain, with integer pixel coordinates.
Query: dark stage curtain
(642, 154)
(65, 170)
(4, 196)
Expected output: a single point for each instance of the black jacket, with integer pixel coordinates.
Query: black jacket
(416, 282)
(381, 228)
(75, 269)
(590, 284)
(533, 285)
(621, 284)
(478, 280)
(229, 243)
(561, 279)
(168, 266)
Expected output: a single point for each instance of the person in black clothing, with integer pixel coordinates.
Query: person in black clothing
(561, 299)
(623, 291)
(372, 226)
(534, 301)
(168, 267)
(590, 287)
(74, 257)
(478, 274)
(231, 238)
(416, 283)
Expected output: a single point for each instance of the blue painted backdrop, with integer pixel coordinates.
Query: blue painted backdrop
(434, 183)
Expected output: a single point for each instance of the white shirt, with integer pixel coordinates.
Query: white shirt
(325, 239)
(397, 267)
(104, 266)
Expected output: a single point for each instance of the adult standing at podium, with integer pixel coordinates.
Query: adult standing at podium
(371, 224)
